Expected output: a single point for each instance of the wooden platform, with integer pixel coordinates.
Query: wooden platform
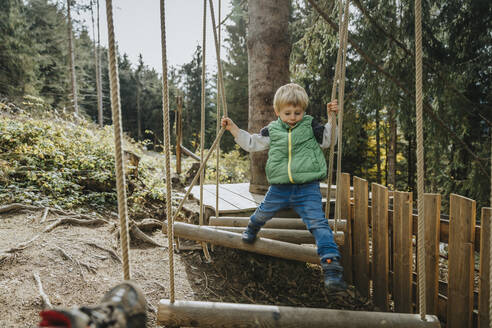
(236, 198)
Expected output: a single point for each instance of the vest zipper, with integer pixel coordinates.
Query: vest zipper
(290, 156)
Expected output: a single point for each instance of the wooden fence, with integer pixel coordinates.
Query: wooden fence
(381, 235)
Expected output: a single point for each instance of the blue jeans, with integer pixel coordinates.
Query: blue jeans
(305, 199)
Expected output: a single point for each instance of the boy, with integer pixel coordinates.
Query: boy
(294, 167)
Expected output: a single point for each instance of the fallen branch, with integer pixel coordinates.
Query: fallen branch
(45, 214)
(7, 253)
(17, 207)
(137, 234)
(80, 220)
(110, 251)
(149, 225)
(77, 262)
(44, 297)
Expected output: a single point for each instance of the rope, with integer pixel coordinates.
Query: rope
(332, 117)
(217, 154)
(420, 157)
(341, 94)
(219, 64)
(202, 126)
(167, 147)
(221, 131)
(116, 110)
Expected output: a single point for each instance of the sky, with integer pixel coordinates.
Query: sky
(137, 30)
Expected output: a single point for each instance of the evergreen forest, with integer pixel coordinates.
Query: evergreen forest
(379, 141)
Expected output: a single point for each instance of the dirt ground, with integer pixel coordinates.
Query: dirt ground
(73, 271)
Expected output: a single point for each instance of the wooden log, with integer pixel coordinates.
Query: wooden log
(287, 235)
(275, 223)
(380, 246)
(484, 289)
(361, 237)
(462, 214)
(432, 213)
(233, 240)
(402, 252)
(345, 214)
(214, 314)
(189, 153)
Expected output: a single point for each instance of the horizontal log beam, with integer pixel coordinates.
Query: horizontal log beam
(189, 153)
(275, 223)
(287, 235)
(264, 246)
(214, 314)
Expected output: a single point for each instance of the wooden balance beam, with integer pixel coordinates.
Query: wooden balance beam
(275, 223)
(287, 235)
(214, 314)
(264, 246)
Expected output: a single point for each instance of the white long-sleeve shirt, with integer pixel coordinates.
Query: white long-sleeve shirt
(261, 141)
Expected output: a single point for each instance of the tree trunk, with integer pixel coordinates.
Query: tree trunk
(268, 64)
(391, 180)
(72, 60)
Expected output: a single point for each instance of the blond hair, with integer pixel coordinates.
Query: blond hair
(290, 94)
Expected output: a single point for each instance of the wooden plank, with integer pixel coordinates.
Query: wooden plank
(264, 246)
(461, 261)
(361, 237)
(215, 314)
(345, 214)
(243, 190)
(232, 197)
(209, 200)
(432, 213)
(402, 252)
(287, 235)
(484, 289)
(275, 223)
(380, 246)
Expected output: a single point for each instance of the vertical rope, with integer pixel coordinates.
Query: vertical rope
(217, 161)
(96, 62)
(221, 131)
(331, 116)
(167, 147)
(341, 95)
(420, 157)
(219, 64)
(202, 124)
(116, 110)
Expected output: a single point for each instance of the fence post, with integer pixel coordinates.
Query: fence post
(361, 237)
(345, 214)
(462, 212)
(380, 246)
(432, 215)
(402, 251)
(483, 303)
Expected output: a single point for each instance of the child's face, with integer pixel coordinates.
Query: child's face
(290, 114)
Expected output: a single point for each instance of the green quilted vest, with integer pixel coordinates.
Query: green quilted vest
(294, 156)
